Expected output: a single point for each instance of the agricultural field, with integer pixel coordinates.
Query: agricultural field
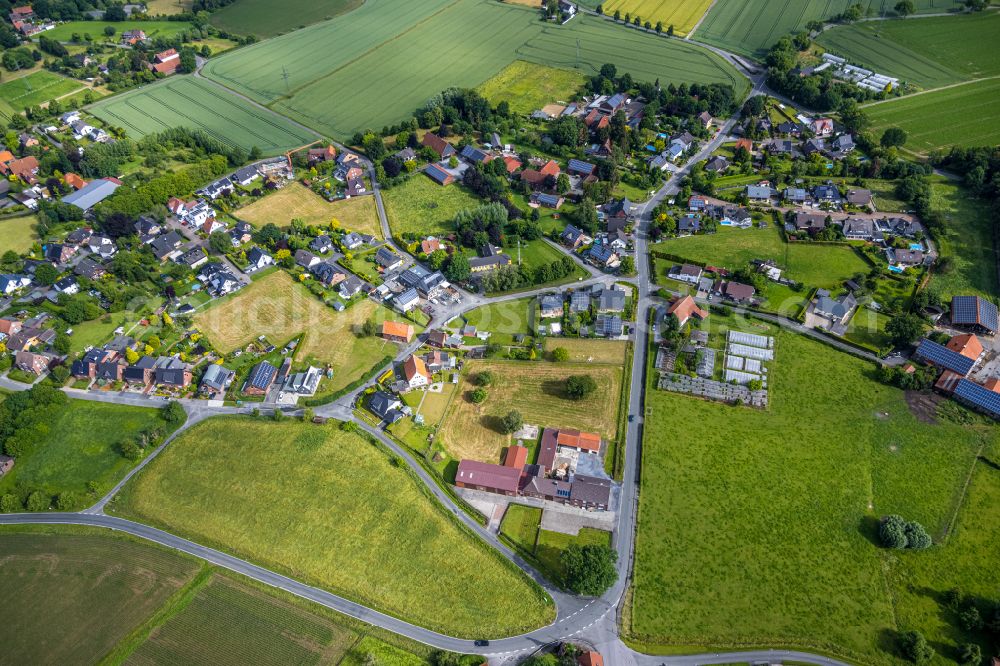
(962, 115)
(536, 389)
(265, 19)
(297, 202)
(421, 207)
(382, 43)
(590, 350)
(806, 571)
(17, 234)
(337, 505)
(184, 101)
(167, 7)
(812, 264)
(164, 29)
(930, 52)
(70, 595)
(277, 307)
(35, 88)
(966, 243)
(682, 14)
(527, 86)
(80, 446)
(522, 526)
(750, 27)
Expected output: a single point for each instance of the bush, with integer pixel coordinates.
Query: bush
(10, 504)
(479, 396)
(130, 450)
(66, 501)
(174, 412)
(38, 501)
(590, 569)
(560, 354)
(486, 378)
(512, 422)
(970, 654)
(970, 619)
(915, 647)
(897, 533)
(579, 387)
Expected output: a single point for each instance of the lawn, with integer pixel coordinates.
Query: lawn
(336, 505)
(931, 122)
(967, 243)
(81, 445)
(867, 328)
(813, 264)
(297, 202)
(794, 491)
(511, 317)
(930, 52)
(390, 55)
(522, 526)
(264, 18)
(63, 32)
(750, 27)
(682, 14)
(536, 389)
(590, 350)
(70, 597)
(421, 207)
(36, 88)
(528, 86)
(278, 308)
(18, 234)
(185, 101)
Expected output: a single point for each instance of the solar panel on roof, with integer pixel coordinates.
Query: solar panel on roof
(943, 357)
(979, 396)
(964, 310)
(987, 314)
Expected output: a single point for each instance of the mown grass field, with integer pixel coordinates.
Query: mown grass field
(392, 54)
(184, 101)
(70, 597)
(795, 491)
(528, 86)
(930, 52)
(589, 350)
(18, 234)
(33, 89)
(277, 307)
(337, 505)
(682, 14)
(81, 445)
(963, 115)
(536, 389)
(421, 206)
(966, 241)
(297, 202)
(522, 525)
(267, 19)
(750, 27)
(511, 317)
(812, 264)
(164, 29)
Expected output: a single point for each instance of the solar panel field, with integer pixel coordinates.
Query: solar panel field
(392, 55)
(186, 101)
(962, 115)
(682, 14)
(750, 27)
(929, 52)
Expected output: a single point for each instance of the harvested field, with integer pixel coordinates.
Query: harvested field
(297, 202)
(585, 350)
(536, 390)
(528, 86)
(184, 101)
(682, 14)
(69, 598)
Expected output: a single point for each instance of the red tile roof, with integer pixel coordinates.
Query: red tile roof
(516, 457)
(551, 168)
(413, 366)
(397, 330)
(967, 345)
(590, 658)
(684, 308)
(587, 441)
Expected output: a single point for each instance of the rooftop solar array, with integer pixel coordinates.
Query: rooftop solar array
(941, 356)
(751, 340)
(972, 310)
(979, 396)
(751, 352)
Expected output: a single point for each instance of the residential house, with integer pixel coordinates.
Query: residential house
(837, 310)
(321, 244)
(133, 37)
(697, 204)
(67, 285)
(9, 326)
(718, 164)
(243, 177)
(842, 145)
(553, 201)
(813, 146)
(352, 241)
(822, 127)
(686, 273)
(603, 255)
(618, 209)
(439, 360)
(415, 372)
(797, 196)
(386, 406)
(421, 279)
(387, 259)
(36, 364)
(166, 62)
(731, 216)
(11, 283)
(430, 245)
(306, 259)
(257, 260)
(685, 307)
(905, 257)
(407, 300)
(827, 194)
(611, 300)
(327, 274)
(811, 222)
(193, 258)
(760, 193)
(59, 254)
(260, 379)
(79, 236)
(573, 237)
(102, 246)
(734, 291)
(241, 233)
(327, 154)
(87, 268)
(394, 331)
(859, 229)
(488, 263)
(608, 325)
(860, 197)
(217, 189)
(688, 224)
(216, 379)
(551, 306)
(475, 155)
(443, 149)
(705, 118)
(581, 168)
(579, 301)
(355, 188)
(75, 181)
(350, 287)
